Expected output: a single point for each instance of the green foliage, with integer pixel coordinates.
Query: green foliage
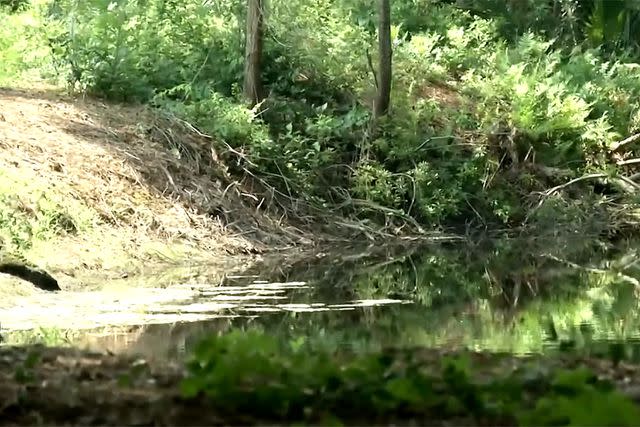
(314, 52)
(226, 120)
(255, 374)
(130, 50)
(571, 393)
(24, 54)
(483, 91)
(614, 23)
(33, 214)
(14, 5)
(24, 374)
(225, 368)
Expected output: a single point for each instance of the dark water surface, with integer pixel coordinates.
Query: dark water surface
(520, 296)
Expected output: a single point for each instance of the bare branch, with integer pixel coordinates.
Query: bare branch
(627, 162)
(626, 141)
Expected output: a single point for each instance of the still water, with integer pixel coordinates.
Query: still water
(520, 296)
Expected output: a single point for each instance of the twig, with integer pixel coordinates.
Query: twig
(627, 162)
(626, 182)
(550, 191)
(626, 141)
(557, 188)
(373, 70)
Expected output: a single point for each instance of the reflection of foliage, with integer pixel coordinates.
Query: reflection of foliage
(456, 302)
(465, 296)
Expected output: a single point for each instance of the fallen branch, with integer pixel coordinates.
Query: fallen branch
(557, 188)
(627, 184)
(627, 162)
(550, 172)
(547, 193)
(626, 141)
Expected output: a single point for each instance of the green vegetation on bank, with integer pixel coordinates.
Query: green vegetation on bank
(252, 376)
(488, 110)
(515, 114)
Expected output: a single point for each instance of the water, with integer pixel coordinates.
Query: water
(520, 296)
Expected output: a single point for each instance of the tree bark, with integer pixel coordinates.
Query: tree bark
(381, 105)
(253, 53)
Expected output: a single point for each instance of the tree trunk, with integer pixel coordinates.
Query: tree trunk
(253, 52)
(381, 105)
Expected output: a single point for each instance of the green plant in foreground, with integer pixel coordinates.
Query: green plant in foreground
(577, 399)
(256, 375)
(24, 373)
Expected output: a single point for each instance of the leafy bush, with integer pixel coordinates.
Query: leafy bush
(476, 98)
(251, 373)
(24, 54)
(130, 50)
(14, 5)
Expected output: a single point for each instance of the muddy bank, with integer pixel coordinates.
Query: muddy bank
(68, 387)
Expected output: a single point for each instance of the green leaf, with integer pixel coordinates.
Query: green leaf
(190, 387)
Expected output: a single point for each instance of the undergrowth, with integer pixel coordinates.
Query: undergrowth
(487, 113)
(243, 373)
(25, 53)
(30, 213)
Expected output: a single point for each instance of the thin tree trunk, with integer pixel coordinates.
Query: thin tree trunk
(381, 105)
(253, 53)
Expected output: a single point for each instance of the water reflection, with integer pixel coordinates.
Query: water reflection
(519, 295)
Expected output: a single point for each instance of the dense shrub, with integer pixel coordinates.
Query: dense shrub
(130, 50)
(474, 99)
(250, 372)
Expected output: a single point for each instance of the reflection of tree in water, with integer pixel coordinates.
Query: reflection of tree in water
(506, 293)
(510, 295)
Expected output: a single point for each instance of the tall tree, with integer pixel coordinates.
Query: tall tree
(253, 52)
(381, 105)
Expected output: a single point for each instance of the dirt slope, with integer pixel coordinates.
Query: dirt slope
(147, 185)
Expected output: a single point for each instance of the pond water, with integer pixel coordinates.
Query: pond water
(520, 296)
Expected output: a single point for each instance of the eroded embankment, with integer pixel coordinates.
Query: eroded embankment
(104, 189)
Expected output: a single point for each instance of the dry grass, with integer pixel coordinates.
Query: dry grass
(152, 187)
(148, 182)
(441, 93)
